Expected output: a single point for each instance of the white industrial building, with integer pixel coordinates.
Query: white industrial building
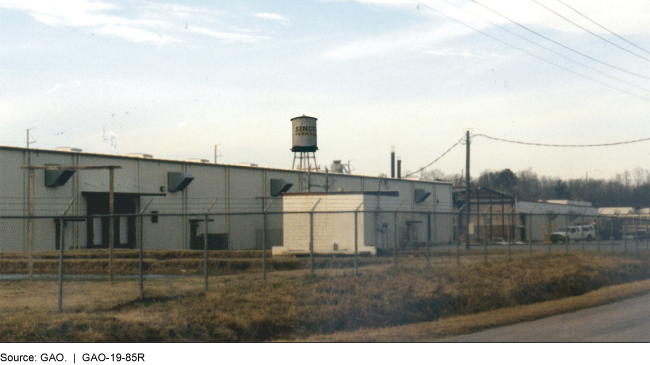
(537, 220)
(188, 187)
(384, 220)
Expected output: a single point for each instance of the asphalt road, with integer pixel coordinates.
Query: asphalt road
(624, 321)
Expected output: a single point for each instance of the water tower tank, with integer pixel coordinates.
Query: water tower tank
(304, 134)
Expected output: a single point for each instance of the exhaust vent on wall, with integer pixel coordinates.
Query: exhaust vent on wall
(279, 186)
(421, 195)
(55, 178)
(178, 181)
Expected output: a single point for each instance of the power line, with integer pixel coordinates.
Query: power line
(530, 54)
(544, 47)
(593, 21)
(560, 44)
(434, 161)
(562, 145)
(587, 30)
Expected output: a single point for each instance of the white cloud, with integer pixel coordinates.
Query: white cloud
(227, 37)
(275, 17)
(154, 25)
(135, 34)
(411, 40)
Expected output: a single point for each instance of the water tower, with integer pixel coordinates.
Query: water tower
(304, 143)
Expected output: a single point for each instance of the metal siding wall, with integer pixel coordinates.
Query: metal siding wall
(235, 187)
(245, 185)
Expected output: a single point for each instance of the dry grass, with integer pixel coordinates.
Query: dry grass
(293, 305)
(465, 324)
(167, 262)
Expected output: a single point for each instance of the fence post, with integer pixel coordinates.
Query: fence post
(264, 247)
(611, 235)
(205, 253)
(625, 234)
(141, 255)
(61, 247)
(457, 239)
(647, 235)
(582, 234)
(61, 244)
(429, 237)
(111, 225)
(356, 241)
(311, 238)
(311, 242)
(509, 224)
(31, 225)
(396, 239)
(548, 232)
(484, 236)
(636, 235)
(598, 233)
(529, 228)
(566, 235)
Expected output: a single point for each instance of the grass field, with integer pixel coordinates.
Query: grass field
(292, 305)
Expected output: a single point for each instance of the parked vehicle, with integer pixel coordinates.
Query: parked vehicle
(575, 233)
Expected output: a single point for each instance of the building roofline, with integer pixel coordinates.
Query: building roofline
(92, 154)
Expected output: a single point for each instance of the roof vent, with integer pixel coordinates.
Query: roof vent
(67, 149)
(139, 155)
(198, 160)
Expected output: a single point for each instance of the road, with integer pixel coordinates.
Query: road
(624, 321)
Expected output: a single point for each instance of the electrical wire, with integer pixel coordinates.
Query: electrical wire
(546, 48)
(558, 43)
(587, 30)
(530, 54)
(593, 21)
(434, 161)
(562, 145)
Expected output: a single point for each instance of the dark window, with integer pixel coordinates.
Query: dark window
(154, 216)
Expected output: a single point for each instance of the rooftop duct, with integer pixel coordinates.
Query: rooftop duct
(139, 155)
(67, 149)
(178, 181)
(197, 160)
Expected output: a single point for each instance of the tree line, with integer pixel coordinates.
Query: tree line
(627, 189)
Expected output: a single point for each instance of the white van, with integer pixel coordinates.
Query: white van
(576, 233)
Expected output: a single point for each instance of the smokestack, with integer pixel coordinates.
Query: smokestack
(399, 167)
(392, 162)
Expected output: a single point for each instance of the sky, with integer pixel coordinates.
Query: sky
(175, 78)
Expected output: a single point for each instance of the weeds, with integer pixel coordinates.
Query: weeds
(295, 306)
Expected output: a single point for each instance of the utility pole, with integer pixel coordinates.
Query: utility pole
(467, 205)
(28, 135)
(215, 154)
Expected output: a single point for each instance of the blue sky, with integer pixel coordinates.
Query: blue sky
(175, 78)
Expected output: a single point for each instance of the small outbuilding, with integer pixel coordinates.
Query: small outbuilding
(383, 221)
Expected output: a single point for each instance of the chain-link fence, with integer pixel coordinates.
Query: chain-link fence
(165, 255)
